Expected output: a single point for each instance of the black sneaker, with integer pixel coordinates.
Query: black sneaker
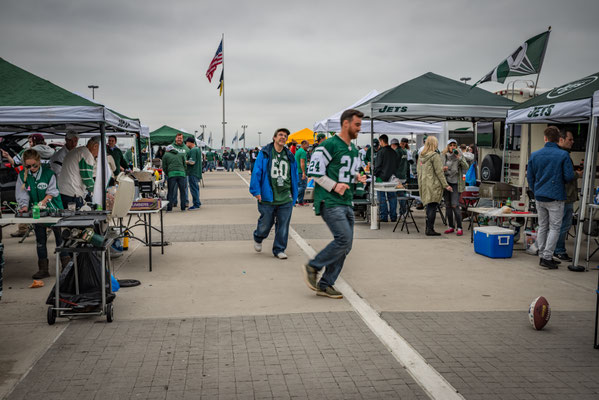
(549, 264)
(432, 233)
(329, 291)
(310, 276)
(563, 257)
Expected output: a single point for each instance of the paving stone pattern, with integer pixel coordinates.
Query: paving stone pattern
(315, 356)
(498, 355)
(207, 233)
(248, 200)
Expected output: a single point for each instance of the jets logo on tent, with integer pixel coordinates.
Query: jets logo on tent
(572, 86)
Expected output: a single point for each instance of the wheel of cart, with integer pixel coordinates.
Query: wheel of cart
(51, 315)
(109, 312)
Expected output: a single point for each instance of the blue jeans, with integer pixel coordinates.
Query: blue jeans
(340, 221)
(560, 248)
(211, 166)
(403, 204)
(385, 197)
(301, 189)
(41, 238)
(194, 188)
(174, 183)
(280, 217)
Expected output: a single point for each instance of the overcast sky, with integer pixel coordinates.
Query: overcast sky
(288, 64)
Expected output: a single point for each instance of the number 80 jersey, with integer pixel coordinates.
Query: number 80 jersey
(340, 162)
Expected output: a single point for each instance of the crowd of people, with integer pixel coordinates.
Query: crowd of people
(53, 180)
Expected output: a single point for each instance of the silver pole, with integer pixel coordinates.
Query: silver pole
(588, 179)
(223, 87)
(374, 210)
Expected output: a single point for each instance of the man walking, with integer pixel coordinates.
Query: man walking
(301, 159)
(242, 156)
(402, 168)
(274, 185)
(335, 165)
(210, 157)
(566, 141)
(194, 172)
(385, 166)
(253, 156)
(549, 169)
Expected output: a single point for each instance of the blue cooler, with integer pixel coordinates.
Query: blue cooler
(493, 241)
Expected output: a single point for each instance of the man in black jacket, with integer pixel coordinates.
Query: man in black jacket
(385, 165)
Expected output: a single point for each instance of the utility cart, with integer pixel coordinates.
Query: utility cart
(85, 281)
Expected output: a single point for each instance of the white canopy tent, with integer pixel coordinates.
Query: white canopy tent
(331, 124)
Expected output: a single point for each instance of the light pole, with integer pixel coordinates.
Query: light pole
(465, 79)
(244, 126)
(259, 134)
(93, 88)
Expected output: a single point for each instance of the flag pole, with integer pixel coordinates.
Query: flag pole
(223, 88)
(534, 92)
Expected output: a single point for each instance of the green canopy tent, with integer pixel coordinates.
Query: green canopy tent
(434, 98)
(165, 135)
(29, 103)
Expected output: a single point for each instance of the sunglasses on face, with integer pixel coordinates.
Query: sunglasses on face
(28, 166)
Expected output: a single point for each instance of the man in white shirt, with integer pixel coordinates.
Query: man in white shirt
(57, 159)
(76, 178)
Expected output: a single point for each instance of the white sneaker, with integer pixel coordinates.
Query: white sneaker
(257, 247)
(282, 256)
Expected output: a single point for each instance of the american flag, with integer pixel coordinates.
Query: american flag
(218, 59)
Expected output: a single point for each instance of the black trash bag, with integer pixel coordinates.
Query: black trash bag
(90, 282)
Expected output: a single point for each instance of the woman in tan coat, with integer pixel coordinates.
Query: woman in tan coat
(431, 182)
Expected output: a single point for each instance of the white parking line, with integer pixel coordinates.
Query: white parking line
(423, 373)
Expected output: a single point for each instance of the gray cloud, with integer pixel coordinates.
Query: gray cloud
(286, 64)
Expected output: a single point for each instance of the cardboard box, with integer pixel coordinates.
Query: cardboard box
(146, 204)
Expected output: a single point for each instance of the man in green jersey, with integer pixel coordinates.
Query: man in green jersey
(194, 172)
(335, 165)
(274, 185)
(301, 158)
(211, 160)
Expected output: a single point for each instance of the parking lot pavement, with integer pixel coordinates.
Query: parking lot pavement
(498, 355)
(305, 355)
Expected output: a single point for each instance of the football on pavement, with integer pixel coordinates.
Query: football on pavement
(539, 313)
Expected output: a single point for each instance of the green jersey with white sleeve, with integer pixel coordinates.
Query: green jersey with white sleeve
(340, 162)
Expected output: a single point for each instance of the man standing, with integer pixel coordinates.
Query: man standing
(173, 165)
(566, 141)
(274, 185)
(335, 165)
(57, 159)
(549, 169)
(180, 147)
(301, 159)
(253, 156)
(321, 137)
(76, 178)
(194, 172)
(402, 168)
(117, 155)
(231, 161)
(242, 156)
(385, 166)
(210, 156)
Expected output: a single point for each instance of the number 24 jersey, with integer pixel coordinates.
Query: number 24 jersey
(340, 162)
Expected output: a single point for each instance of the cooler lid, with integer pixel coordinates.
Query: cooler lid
(493, 230)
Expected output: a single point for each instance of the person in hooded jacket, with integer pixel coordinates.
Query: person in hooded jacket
(431, 181)
(274, 184)
(455, 167)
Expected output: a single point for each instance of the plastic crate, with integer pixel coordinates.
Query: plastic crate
(493, 241)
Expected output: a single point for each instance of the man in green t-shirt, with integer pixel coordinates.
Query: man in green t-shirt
(274, 185)
(173, 165)
(301, 159)
(194, 172)
(335, 167)
(210, 160)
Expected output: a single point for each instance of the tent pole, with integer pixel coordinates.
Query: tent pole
(506, 130)
(374, 210)
(138, 142)
(587, 181)
(103, 166)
